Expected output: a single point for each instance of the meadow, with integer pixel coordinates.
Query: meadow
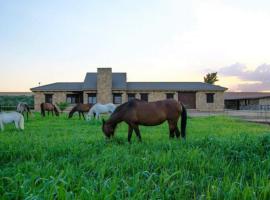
(60, 158)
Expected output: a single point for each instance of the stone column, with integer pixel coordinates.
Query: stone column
(104, 85)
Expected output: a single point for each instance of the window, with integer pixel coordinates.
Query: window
(210, 97)
(117, 98)
(170, 95)
(48, 98)
(131, 96)
(92, 98)
(144, 96)
(73, 98)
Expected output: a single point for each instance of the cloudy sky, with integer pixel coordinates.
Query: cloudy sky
(154, 40)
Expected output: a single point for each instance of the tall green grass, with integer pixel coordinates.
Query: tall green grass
(57, 158)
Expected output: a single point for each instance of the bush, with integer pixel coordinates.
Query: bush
(62, 105)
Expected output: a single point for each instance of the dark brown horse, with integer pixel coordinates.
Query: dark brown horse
(137, 112)
(81, 109)
(48, 107)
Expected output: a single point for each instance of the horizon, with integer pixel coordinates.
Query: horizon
(153, 41)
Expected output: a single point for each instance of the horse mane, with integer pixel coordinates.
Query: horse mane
(55, 109)
(73, 110)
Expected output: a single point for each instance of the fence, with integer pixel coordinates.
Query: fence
(256, 107)
(11, 107)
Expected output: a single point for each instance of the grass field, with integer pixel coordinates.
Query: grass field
(57, 158)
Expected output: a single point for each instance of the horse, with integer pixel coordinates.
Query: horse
(98, 109)
(22, 108)
(137, 112)
(17, 118)
(81, 109)
(50, 108)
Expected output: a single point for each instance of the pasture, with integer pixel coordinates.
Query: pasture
(60, 158)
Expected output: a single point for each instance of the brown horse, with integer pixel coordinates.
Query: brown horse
(81, 109)
(48, 107)
(137, 112)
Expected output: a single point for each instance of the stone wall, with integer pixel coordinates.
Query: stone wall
(152, 96)
(39, 97)
(217, 105)
(104, 85)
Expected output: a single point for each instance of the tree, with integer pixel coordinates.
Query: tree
(211, 78)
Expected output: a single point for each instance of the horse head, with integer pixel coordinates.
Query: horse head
(107, 129)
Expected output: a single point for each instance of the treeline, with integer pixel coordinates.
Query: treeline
(10, 102)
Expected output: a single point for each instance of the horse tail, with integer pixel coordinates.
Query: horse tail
(183, 121)
(42, 109)
(21, 122)
(73, 110)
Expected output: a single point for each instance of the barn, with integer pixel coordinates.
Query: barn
(247, 100)
(105, 86)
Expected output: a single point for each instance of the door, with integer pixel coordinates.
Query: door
(188, 99)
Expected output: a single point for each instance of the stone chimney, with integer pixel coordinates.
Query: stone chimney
(104, 85)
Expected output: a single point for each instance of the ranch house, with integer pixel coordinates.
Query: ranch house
(106, 86)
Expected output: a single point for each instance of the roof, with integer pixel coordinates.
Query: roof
(184, 86)
(245, 95)
(118, 81)
(60, 86)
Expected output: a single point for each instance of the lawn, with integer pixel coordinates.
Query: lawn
(60, 158)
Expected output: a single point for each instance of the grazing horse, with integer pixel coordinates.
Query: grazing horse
(22, 108)
(81, 109)
(98, 109)
(10, 117)
(50, 108)
(137, 112)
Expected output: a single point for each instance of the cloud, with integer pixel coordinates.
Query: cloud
(254, 80)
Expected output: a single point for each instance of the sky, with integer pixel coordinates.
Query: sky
(154, 40)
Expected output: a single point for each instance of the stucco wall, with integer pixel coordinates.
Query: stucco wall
(217, 105)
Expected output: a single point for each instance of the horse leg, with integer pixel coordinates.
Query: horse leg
(83, 115)
(1, 126)
(171, 128)
(16, 125)
(177, 132)
(26, 115)
(130, 130)
(137, 131)
(79, 115)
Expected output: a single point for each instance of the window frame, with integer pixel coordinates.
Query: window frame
(210, 97)
(48, 96)
(167, 95)
(146, 95)
(117, 95)
(93, 96)
(131, 96)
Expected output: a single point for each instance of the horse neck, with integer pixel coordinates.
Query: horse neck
(115, 119)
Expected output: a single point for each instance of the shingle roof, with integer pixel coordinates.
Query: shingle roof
(184, 86)
(118, 81)
(60, 86)
(245, 95)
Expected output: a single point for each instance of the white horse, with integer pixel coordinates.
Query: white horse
(10, 117)
(98, 109)
(22, 108)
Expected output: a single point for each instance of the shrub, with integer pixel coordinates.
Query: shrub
(62, 105)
